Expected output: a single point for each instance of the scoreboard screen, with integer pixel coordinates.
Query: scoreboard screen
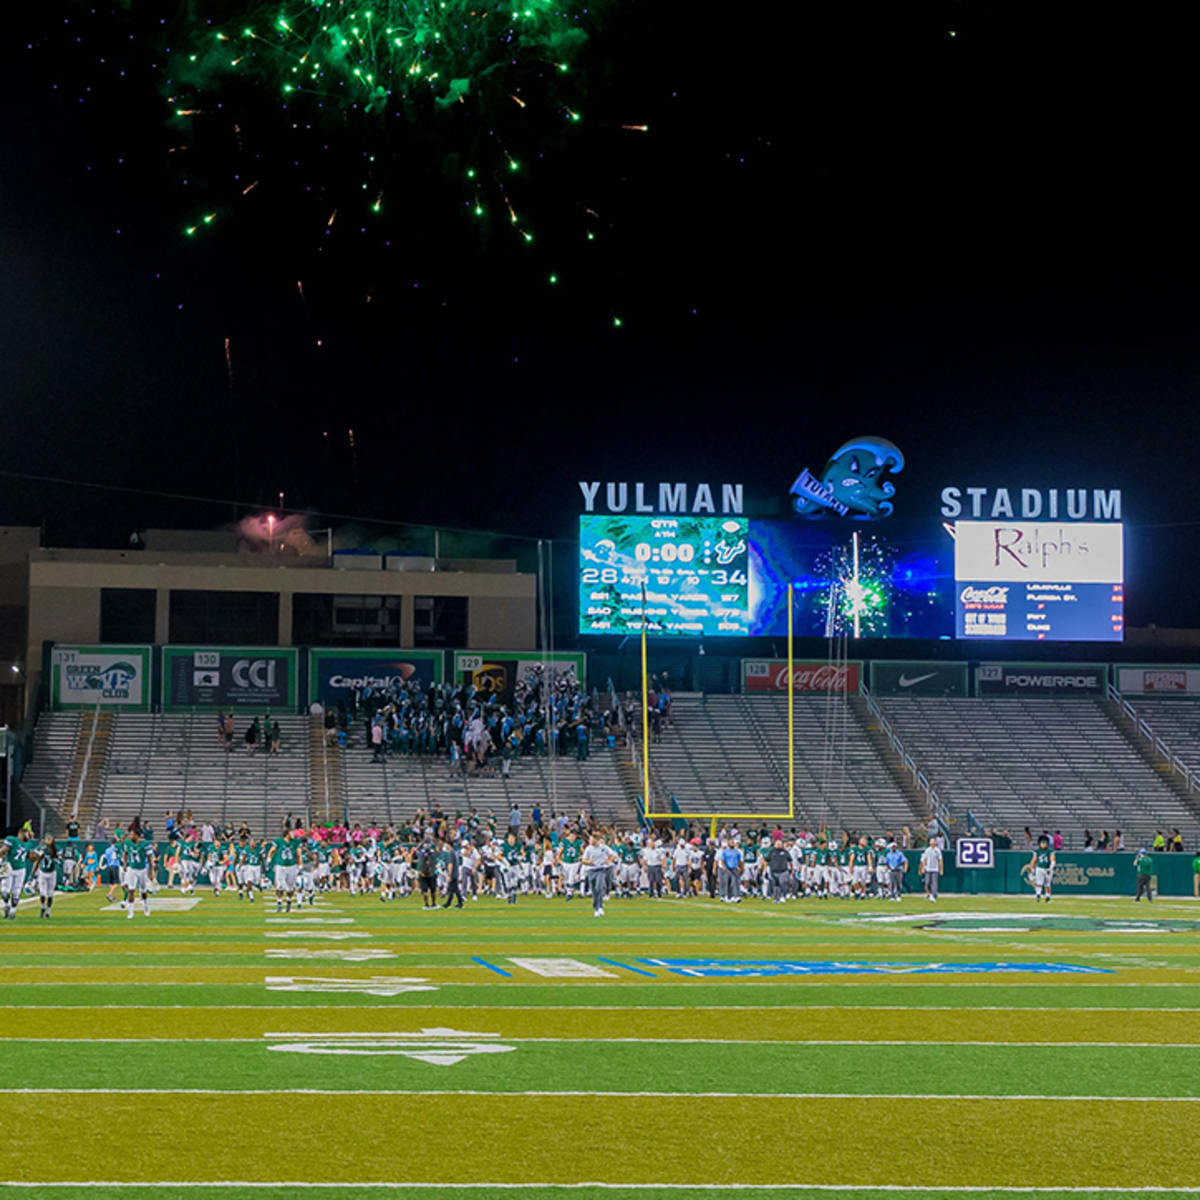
(695, 571)
(1039, 581)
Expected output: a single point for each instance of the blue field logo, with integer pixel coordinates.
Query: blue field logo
(718, 968)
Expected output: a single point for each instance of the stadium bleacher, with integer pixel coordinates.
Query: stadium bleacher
(1049, 763)
(45, 778)
(1177, 722)
(396, 788)
(160, 761)
(724, 753)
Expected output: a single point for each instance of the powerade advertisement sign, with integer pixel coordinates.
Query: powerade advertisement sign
(249, 677)
(110, 676)
(919, 679)
(333, 674)
(1041, 679)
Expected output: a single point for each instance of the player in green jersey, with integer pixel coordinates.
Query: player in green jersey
(511, 853)
(253, 868)
(19, 849)
(569, 851)
(861, 864)
(45, 863)
(1042, 867)
(284, 856)
(137, 857)
(189, 866)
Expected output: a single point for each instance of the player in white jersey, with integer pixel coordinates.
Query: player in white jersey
(549, 869)
(679, 858)
(472, 862)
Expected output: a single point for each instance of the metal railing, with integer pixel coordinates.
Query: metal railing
(921, 781)
(1142, 727)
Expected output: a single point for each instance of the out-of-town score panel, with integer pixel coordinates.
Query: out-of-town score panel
(1053, 581)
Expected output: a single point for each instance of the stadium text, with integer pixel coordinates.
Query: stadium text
(671, 497)
(1076, 504)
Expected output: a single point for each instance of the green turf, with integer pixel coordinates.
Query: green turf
(200, 979)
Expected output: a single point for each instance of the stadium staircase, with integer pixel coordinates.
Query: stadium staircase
(394, 790)
(723, 753)
(1049, 763)
(326, 775)
(171, 761)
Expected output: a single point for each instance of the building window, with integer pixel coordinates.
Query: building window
(346, 620)
(127, 614)
(439, 620)
(225, 618)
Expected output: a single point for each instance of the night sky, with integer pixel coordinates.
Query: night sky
(969, 228)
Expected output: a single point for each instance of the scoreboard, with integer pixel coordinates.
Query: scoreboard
(1039, 581)
(694, 570)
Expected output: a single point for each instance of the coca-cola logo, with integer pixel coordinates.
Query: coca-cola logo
(824, 677)
(991, 595)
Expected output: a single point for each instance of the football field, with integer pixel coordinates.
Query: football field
(985, 1046)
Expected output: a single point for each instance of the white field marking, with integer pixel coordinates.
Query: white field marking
(634, 1008)
(331, 935)
(159, 904)
(357, 954)
(299, 920)
(374, 985)
(391, 1185)
(562, 968)
(311, 1034)
(991, 1097)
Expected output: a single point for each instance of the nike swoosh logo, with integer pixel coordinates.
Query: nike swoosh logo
(906, 682)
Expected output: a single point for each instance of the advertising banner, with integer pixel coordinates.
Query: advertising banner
(1039, 581)
(1153, 679)
(333, 672)
(1040, 679)
(251, 678)
(84, 676)
(498, 671)
(919, 678)
(770, 675)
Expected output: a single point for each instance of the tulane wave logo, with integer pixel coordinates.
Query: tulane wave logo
(853, 484)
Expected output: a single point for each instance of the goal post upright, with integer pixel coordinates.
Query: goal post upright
(713, 817)
(645, 716)
(791, 712)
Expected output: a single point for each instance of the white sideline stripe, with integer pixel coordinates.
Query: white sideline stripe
(633, 1008)
(329, 1036)
(792, 981)
(575, 1093)
(391, 1185)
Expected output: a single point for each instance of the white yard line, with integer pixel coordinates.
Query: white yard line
(990, 1097)
(851, 1008)
(596, 1185)
(383, 1035)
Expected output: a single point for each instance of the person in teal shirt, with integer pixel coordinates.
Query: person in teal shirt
(1196, 875)
(1143, 864)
